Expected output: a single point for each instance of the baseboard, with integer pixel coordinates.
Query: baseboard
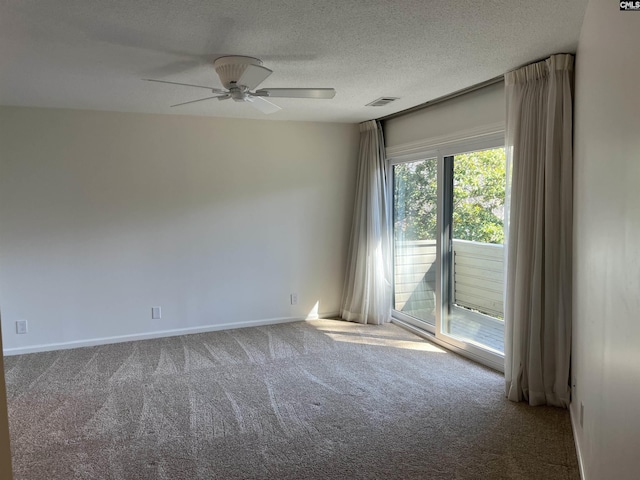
(158, 334)
(574, 427)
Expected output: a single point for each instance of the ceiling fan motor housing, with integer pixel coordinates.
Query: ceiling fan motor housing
(231, 68)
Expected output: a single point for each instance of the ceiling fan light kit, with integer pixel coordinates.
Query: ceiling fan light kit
(247, 71)
(240, 75)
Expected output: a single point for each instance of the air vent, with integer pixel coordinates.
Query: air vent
(382, 101)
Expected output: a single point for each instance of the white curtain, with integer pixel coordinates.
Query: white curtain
(367, 292)
(538, 290)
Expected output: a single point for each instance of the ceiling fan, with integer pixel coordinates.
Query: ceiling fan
(240, 76)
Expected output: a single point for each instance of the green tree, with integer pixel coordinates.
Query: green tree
(415, 195)
(478, 197)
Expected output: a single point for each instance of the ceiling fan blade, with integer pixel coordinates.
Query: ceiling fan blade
(194, 101)
(213, 89)
(253, 76)
(296, 92)
(265, 106)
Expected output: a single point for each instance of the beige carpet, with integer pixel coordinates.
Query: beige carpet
(309, 400)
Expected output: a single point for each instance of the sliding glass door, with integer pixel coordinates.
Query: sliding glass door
(415, 194)
(474, 219)
(448, 217)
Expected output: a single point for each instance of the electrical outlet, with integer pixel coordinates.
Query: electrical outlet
(294, 299)
(581, 414)
(156, 313)
(22, 327)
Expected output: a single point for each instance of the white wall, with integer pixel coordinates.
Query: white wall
(484, 107)
(606, 339)
(104, 215)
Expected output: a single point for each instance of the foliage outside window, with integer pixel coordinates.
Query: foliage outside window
(478, 196)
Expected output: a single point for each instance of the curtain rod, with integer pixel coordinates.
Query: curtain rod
(472, 88)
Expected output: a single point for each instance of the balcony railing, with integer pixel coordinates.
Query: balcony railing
(478, 277)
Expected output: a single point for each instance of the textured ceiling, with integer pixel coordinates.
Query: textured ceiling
(92, 54)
